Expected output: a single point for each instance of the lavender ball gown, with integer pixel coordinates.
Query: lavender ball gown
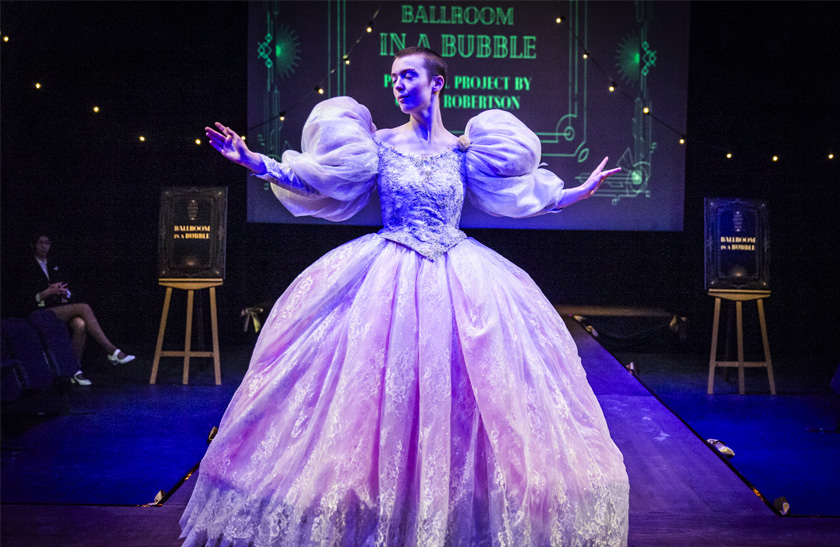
(412, 387)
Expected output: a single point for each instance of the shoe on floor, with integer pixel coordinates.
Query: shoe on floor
(79, 379)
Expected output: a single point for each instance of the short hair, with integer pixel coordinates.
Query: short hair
(36, 233)
(434, 63)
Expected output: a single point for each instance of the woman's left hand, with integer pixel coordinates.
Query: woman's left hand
(595, 179)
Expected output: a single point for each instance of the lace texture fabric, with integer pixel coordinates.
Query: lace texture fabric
(412, 388)
(422, 197)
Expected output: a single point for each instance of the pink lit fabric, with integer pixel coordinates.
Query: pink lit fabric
(408, 390)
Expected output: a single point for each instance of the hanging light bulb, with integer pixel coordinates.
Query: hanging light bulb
(369, 27)
(729, 155)
(558, 20)
(612, 87)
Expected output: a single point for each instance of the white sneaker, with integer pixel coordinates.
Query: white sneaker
(79, 378)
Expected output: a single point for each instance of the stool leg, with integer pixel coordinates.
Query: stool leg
(188, 338)
(215, 327)
(713, 354)
(739, 320)
(161, 331)
(768, 362)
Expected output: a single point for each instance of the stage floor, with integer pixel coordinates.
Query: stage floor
(681, 491)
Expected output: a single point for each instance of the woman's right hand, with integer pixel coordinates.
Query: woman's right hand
(231, 146)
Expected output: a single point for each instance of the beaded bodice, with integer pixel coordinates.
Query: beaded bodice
(421, 197)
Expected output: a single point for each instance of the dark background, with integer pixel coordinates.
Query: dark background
(763, 80)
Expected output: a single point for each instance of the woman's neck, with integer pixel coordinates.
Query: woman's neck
(425, 131)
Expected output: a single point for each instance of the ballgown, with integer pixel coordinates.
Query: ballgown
(412, 387)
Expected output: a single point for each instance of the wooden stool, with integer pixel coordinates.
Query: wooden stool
(739, 297)
(190, 285)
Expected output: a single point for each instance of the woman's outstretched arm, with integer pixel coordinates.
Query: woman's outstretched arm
(588, 188)
(232, 147)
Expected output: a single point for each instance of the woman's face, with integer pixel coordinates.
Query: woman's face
(413, 86)
(42, 247)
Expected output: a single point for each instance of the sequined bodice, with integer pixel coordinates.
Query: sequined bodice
(421, 197)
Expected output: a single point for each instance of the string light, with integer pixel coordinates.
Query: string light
(197, 141)
(282, 115)
(319, 90)
(96, 109)
(612, 87)
(369, 28)
(831, 156)
(5, 38)
(37, 85)
(682, 140)
(346, 60)
(729, 155)
(558, 20)
(646, 110)
(775, 158)
(585, 54)
(142, 138)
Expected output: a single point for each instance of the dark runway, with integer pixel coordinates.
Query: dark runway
(681, 492)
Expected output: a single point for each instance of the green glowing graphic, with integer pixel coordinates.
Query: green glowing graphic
(628, 58)
(286, 48)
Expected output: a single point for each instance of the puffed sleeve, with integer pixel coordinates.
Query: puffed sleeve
(504, 174)
(335, 172)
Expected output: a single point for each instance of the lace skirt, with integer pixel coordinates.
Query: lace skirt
(394, 400)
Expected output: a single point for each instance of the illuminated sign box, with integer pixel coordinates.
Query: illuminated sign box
(737, 245)
(191, 233)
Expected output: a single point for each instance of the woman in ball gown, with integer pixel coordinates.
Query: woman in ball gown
(411, 387)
